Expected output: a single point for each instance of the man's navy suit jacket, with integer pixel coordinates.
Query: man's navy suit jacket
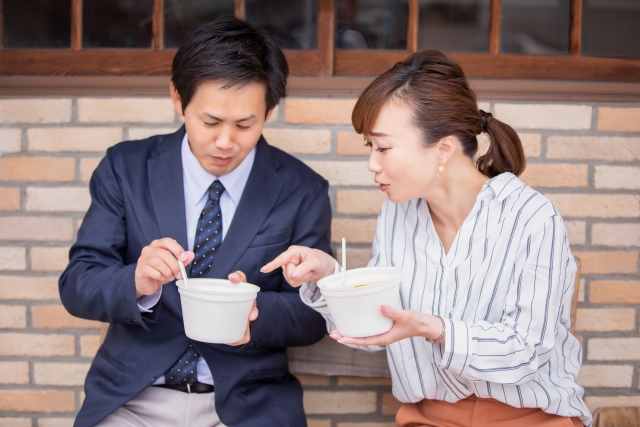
(138, 196)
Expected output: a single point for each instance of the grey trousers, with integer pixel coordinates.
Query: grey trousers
(160, 407)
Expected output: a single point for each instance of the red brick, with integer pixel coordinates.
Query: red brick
(619, 119)
(14, 372)
(353, 230)
(37, 169)
(29, 288)
(320, 111)
(606, 319)
(614, 292)
(42, 345)
(89, 345)
(13, 316)
(556, 175)
(608, 262)
(340, 402)
(37, 401)
(57, 317)
(9, 199)
(35, 110)
(352, 144)
(35, 228)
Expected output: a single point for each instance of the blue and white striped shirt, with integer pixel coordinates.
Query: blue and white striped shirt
(504, 291)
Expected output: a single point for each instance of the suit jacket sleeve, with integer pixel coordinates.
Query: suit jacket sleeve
(98, 284)
(284, 320)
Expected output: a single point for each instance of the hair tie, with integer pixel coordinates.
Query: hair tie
(485, 119)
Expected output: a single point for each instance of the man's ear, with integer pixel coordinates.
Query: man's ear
(269, 113)
(175, 97)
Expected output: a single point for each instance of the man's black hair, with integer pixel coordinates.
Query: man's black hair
(232, 52)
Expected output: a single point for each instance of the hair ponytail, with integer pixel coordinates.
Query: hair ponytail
(505, 153)
(443, 104)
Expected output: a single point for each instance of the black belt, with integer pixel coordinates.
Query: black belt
(189, 388)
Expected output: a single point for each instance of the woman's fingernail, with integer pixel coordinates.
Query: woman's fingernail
(183, 256)
(340, 342)
(295, 273)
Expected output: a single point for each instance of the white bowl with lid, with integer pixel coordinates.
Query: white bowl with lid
(356, 309)
(215, 310)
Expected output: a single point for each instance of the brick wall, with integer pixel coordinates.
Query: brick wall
(584, 156)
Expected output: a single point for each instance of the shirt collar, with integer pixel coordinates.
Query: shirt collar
(199, 180)
(500, 187)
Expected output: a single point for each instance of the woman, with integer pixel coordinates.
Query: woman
(483, 334)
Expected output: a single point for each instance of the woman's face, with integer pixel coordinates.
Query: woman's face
(403, 167)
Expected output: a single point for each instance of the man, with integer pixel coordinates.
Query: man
(152, 201)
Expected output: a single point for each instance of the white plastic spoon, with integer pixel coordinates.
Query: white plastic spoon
(184, 274)
(344, 262)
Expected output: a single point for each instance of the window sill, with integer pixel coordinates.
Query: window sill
(350, 87)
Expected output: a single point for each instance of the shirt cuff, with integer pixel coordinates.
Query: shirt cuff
(457, 346)
(311, 296)
(146, 302)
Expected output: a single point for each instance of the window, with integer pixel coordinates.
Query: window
(500, 39)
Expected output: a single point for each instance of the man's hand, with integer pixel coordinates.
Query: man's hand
(408, 323)
(237, 277)
(158, 265)
(301, 264)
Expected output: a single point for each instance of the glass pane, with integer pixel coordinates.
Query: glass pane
(183, 16)
(454, 25)
(371, 24)
(611, 28)
(535, 27)
(119, 23)
(37, 23)
(293, 23)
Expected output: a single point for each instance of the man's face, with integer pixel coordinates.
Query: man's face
(223, 125)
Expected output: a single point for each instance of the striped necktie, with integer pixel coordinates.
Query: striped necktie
(209, 233)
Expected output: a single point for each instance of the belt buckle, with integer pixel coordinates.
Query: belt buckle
(188, 388)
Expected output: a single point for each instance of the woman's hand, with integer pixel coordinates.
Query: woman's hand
(237, 277)
(408, 323)
(301, 264)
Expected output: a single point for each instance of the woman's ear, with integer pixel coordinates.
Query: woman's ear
(175, 97)
(447, 147)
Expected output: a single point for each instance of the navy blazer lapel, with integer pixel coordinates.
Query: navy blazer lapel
(167, 188)
(260, 194)
(167, 193)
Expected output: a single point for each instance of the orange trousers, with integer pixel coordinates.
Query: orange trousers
(476, 412)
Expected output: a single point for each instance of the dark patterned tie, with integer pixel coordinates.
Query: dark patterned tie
(184, 370)
(209, 232)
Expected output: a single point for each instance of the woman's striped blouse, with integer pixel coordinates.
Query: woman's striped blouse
(504, 290)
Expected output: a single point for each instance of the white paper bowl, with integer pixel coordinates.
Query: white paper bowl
(215, 310)
(356, 311)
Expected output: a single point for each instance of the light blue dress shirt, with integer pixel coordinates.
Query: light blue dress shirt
(196, 182)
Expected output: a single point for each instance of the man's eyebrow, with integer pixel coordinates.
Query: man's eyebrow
(253, 116)
(237, 121)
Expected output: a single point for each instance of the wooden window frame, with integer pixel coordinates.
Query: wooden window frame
(326, 61)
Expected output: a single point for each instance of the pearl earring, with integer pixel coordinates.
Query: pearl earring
(440, 173)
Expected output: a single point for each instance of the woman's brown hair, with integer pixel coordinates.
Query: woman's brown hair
(443, 104)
